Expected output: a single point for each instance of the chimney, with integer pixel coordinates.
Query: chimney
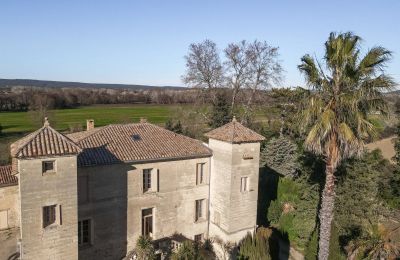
(46, 121)
(89, 124)
(143, 120)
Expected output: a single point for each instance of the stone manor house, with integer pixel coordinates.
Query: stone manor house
(91, 194)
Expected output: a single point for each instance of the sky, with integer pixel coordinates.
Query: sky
(144, 42)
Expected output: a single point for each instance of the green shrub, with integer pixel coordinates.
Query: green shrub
(311, 251)
(255, 247)
(274, 212)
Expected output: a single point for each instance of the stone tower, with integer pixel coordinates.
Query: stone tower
(233, 181)
(47, 168)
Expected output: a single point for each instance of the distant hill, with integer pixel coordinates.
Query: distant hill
(8, 83)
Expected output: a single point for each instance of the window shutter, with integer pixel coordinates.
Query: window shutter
(60, 215)
(154, 180)
(197, 174)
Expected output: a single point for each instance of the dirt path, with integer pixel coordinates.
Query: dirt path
(385, 145)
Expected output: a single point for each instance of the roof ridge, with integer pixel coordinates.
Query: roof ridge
(234, 128)
(234, 132)
(27, 141)
(99, 129)
(66, 138)
(33, 135)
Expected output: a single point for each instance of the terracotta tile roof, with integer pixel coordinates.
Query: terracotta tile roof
(234, 132)
(6, 176)
(83, 134)
(135, 143)
(44, 142)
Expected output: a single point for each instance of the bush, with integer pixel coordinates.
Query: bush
(144, 248)
(187, 251)
(280, 154)
(274, 212)
(255, 247)
(311, 251)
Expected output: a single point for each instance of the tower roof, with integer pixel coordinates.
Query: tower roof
(44, 142)
(235, 132)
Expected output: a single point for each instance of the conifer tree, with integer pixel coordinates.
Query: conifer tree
(220, 114)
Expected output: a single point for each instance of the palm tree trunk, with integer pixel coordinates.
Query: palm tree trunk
(326, 211)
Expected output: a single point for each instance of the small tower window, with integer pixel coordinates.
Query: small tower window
(244, 184)
(48, 166)
(49, 215)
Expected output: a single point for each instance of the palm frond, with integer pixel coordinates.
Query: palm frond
(338, 106)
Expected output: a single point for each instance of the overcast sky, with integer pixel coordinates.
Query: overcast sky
(144, 42)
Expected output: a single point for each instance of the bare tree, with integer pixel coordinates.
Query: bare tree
(204, 69)
(251, 66)
(237, 68)
(264, 70)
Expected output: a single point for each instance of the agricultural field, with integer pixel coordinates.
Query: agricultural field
(63, 119)
(16, 124)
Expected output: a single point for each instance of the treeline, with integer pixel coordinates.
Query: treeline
(28, 98)
(33, 98)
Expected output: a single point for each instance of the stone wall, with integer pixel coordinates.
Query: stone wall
(9, 197)
(9, 203)
(59, 240)
(116, 200)
(233, 213)
(106, 208)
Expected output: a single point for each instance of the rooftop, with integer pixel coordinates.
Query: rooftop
(44, 142)
(138, 142)
(235, 132)
(6, 176)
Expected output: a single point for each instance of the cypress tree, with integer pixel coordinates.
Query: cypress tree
(220, 114)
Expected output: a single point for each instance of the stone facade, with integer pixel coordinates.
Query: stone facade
(234, 189)
(37, 190)
(9, 206)
(101, 210)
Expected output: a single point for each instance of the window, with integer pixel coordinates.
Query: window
(83, 189)
(200, 173)
(48, 166)
(146, 180)
(244, 184)
(200, 210)
(136, 137)
(84, 232)
(147, 222)
(198, 238)
(49, 215)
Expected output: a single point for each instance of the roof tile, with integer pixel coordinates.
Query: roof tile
(6, 176)
(44, 142)
(234, 132)
(135, 143)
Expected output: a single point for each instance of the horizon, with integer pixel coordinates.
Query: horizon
(125, 43)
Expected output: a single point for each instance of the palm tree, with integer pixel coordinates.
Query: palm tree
(377, 244)
(144, 248)
(335, 114)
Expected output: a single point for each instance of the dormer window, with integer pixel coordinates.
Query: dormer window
(136, 137)
(48, 166)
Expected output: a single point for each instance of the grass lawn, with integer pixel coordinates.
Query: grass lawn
(62, 119)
